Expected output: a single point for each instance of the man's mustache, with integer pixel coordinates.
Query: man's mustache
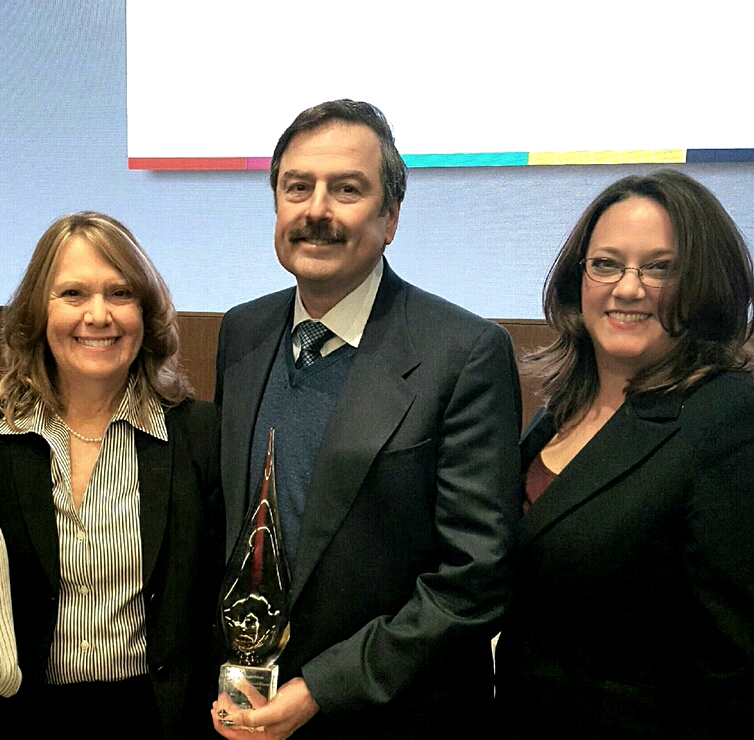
(320, 232)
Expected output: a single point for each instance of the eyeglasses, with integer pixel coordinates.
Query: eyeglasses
(606, 270)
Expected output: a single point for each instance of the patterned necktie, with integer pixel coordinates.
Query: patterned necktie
(312, 335)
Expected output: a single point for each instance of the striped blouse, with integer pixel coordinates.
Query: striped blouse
(10, 675)
(100, 632)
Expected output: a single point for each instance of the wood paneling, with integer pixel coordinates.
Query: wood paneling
(198, 332)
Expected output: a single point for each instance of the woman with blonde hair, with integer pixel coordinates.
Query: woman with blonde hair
(109, 494)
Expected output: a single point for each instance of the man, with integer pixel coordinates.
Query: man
(397, 455)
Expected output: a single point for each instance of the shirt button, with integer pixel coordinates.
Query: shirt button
(83, 590)
(80, 535)
(84, 645)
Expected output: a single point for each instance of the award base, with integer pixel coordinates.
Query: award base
(263, 679)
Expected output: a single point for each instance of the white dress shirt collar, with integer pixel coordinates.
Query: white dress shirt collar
(346, 319)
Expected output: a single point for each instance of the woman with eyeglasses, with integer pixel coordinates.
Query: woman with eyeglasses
(634, 610)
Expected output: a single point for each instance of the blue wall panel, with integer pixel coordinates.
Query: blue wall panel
(483, 237)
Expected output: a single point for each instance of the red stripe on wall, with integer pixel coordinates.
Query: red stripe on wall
(187, 163)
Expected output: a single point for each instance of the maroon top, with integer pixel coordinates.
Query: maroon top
(537, 478)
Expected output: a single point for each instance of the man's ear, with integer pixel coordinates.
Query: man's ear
(391, 221)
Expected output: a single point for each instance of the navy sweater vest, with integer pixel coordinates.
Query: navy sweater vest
(298, 404)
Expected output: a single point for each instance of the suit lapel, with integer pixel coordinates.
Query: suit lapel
(155, 477)
(374, 400)
(244, 384)
(637, 429)
(33, 480)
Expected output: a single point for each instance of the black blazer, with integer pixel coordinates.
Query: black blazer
(182, 533)
(634, 608)
(402, 561)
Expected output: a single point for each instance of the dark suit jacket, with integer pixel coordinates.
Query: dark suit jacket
(182, 537)
(634, 608)
(402, 561)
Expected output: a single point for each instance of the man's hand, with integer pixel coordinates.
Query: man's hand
(277, 719)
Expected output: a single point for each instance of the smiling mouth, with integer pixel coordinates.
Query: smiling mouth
(319, 242)
(627, 317)
(97, 342)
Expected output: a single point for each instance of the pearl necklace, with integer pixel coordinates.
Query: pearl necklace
(77, 435)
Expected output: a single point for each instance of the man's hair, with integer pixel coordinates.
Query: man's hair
(393, 169)
(707, 306)
(30, 367)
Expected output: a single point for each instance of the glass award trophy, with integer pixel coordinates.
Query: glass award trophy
(255, 597)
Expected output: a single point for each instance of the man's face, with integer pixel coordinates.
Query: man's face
(330, 231)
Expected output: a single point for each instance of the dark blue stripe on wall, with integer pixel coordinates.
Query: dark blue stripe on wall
(719, 155)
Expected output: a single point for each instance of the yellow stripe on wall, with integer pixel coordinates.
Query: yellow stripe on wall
(637, 156)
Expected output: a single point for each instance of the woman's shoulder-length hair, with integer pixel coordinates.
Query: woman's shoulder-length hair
(707, 307)
(29, 366)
